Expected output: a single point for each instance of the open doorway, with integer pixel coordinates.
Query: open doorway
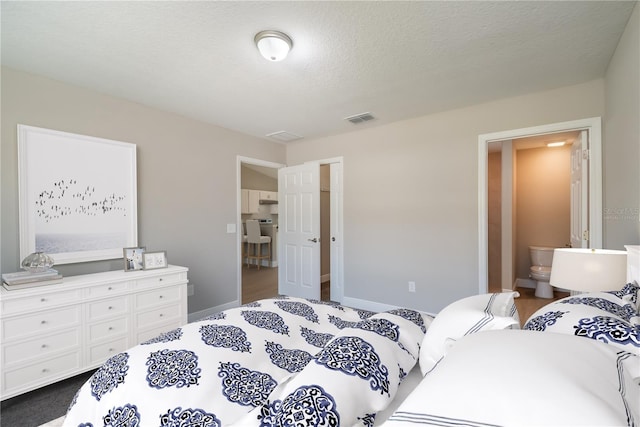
(257, 183)
(261, 283)
(594, 180)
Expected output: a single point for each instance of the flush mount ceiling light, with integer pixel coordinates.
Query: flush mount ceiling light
(273, 45)
(555, 144)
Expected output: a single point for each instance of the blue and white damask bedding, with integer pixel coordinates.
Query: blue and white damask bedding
(282, 361)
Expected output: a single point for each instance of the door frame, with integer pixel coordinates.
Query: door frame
(242, 159)
(594, 126)
(239, 161)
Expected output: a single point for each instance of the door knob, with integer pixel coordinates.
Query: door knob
(314, 240)
(333, 239)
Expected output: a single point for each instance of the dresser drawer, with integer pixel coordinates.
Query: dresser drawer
(42, 301)
(101, 352)
(108, 307)
(163, 314)
(161, 280)
(41, 372)
(41, 346)
(40, 323)
(107, 289)
(111, 328)
(158, 297)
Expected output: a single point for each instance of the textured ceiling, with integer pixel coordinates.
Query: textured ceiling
(394, 59)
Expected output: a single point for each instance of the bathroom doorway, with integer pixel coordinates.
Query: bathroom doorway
(540, 200)
(501, 248)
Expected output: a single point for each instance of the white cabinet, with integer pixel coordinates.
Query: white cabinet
(250, 201)
(53, 332)
(269, 195)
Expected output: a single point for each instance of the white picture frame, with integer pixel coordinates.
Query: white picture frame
(153, 260)
(133, 258)
(77, 195)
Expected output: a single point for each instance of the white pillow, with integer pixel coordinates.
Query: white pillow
(526, 378)
(463, 317)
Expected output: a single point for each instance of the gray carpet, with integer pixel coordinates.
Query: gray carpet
(42, 405)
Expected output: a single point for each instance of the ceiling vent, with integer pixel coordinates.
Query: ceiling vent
(284, 136)
(360, 118)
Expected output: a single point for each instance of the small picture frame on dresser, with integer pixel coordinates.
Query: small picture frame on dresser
(153, 260)
(133, 258)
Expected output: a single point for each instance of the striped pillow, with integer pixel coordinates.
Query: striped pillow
(463, 317)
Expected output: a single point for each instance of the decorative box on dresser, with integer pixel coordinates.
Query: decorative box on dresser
(56, 331)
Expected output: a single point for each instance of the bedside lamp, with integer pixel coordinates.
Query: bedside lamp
(589, 270)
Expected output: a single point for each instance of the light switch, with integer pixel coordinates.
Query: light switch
(231, 228)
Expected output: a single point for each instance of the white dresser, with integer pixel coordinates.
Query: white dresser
(54, 332)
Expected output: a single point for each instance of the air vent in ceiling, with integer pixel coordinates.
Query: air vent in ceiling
(360, 118)
(284, 136)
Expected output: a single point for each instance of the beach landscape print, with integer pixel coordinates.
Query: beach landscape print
(77, 195)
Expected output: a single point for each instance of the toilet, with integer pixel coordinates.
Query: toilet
(541, 259)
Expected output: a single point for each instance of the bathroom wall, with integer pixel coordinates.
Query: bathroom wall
(543, 204)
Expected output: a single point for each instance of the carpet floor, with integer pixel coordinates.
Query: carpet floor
(42, 405)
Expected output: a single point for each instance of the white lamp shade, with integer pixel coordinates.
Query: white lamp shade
(589, 270)
(273, 45)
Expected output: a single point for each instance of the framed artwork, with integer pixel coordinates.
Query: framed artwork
(77, 195)
(153, 260)
(133, 258)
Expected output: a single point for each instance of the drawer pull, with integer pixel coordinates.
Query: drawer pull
(161, 315)
(45, 370)
(111, 328)
(43, 322)
(160, 279)
(110, 308)
(110, 350)
(43, 299)
(44, 346)
(161, 296)
(109, 288)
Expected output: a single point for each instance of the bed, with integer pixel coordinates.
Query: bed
(295, 362)
(259, 364)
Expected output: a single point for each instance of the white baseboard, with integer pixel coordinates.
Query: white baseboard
(197, 315)
(363, 304)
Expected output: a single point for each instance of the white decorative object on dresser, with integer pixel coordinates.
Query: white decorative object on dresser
(54, 332)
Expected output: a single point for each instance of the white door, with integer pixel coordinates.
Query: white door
(337, 249)
(580, 191)
(299, 231)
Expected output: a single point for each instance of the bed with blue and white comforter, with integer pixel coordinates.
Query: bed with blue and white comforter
(281, 361)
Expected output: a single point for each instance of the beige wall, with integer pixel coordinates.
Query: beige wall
(418, 220)
(543, 207)
(621, 142)
(186, 177)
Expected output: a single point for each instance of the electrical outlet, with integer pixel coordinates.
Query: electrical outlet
(190, 290)
(412, 286)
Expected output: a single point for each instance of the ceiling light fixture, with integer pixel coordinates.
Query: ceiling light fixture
(555, 144)
(273, 45)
